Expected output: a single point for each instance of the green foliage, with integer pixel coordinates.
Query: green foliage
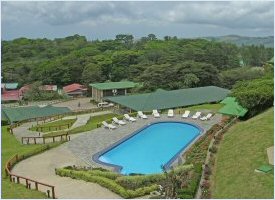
(231, 76)
(36, 94)
(255, 95)
(106, 182)
(172, 62)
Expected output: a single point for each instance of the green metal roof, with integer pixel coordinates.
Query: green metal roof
(228, 100)
(113, 85)
(162, 99)
(30, 112)
(234, 109)
(11, 86)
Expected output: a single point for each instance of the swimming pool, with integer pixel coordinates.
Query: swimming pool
(147, 149)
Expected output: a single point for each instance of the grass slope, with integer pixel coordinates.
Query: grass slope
(242, 150)
(10, 147)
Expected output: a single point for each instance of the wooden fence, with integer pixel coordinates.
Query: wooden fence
(35, 139)
(21, 179)
(54, 128)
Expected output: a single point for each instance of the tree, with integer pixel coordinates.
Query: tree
(92, 73)
(255, 95)
(152, 37)
(190, 80)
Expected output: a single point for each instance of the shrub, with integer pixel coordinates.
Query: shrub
(106, 182)
(213, 149)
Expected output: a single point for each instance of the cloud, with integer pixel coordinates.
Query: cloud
(254, 15)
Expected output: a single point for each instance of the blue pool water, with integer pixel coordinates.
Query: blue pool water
(152, 147)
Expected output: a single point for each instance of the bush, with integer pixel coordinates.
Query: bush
(213, 149)
(106, 182)
(255, 95)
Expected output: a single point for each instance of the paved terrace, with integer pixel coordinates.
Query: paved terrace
(89, 143)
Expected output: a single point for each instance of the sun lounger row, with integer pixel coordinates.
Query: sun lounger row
(156, 114)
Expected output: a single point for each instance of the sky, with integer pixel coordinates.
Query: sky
(104, 20)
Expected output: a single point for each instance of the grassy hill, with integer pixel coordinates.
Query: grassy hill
(241, 152)
(244, 40)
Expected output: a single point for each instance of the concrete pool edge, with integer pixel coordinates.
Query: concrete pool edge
(117, 168)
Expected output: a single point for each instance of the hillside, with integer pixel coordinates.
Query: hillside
(242, 150)
(244, 40)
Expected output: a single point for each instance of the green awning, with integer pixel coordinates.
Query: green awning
(233, 109)
(228, 100)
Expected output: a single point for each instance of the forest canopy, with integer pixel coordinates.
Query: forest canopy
(168, 63)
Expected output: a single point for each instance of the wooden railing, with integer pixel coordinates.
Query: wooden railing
(35, 139)
(55, 128)
(20, 179)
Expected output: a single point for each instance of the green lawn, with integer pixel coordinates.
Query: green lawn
(61, 123)
(10, 147)
(91, 124)
(241, 152)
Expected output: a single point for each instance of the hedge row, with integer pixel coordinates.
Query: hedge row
(137, 181)
(106, 182)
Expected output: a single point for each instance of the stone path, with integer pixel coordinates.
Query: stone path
(73, 104)
(42, 167)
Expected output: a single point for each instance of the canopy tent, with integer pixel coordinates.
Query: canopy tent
(31, 112)
(232, 107)
(162, 99)
(228, 100)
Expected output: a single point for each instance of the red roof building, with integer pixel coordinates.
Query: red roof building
(12, 95)
(75, 90)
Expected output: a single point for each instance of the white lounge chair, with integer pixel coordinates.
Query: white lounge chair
(117, 121)
(130, 119)
(109, 126)
(170, 113)
(155, 113)
(207, 117)
(185, 114)
(141, 115)
(196, 115)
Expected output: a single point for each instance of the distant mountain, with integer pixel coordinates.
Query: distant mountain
(244, 40)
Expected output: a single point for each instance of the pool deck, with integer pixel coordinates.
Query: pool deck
(92, 142)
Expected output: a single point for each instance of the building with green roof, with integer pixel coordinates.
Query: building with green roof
(162, 99)
(10, 86)
(31, 112)
(101, 90)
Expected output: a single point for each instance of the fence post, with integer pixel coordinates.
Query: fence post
(27, 183)
(34, 140)
(22, 140)
(36, 185)
(53, 193)
(18, 180)
(43, 140)
(48, 193)
(53, 138)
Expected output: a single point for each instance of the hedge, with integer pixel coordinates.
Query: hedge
(107, 183)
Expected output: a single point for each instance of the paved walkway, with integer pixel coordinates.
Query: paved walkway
(74, 104)
(41, 167)
(270, 154)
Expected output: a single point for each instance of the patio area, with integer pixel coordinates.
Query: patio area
(89, 143)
